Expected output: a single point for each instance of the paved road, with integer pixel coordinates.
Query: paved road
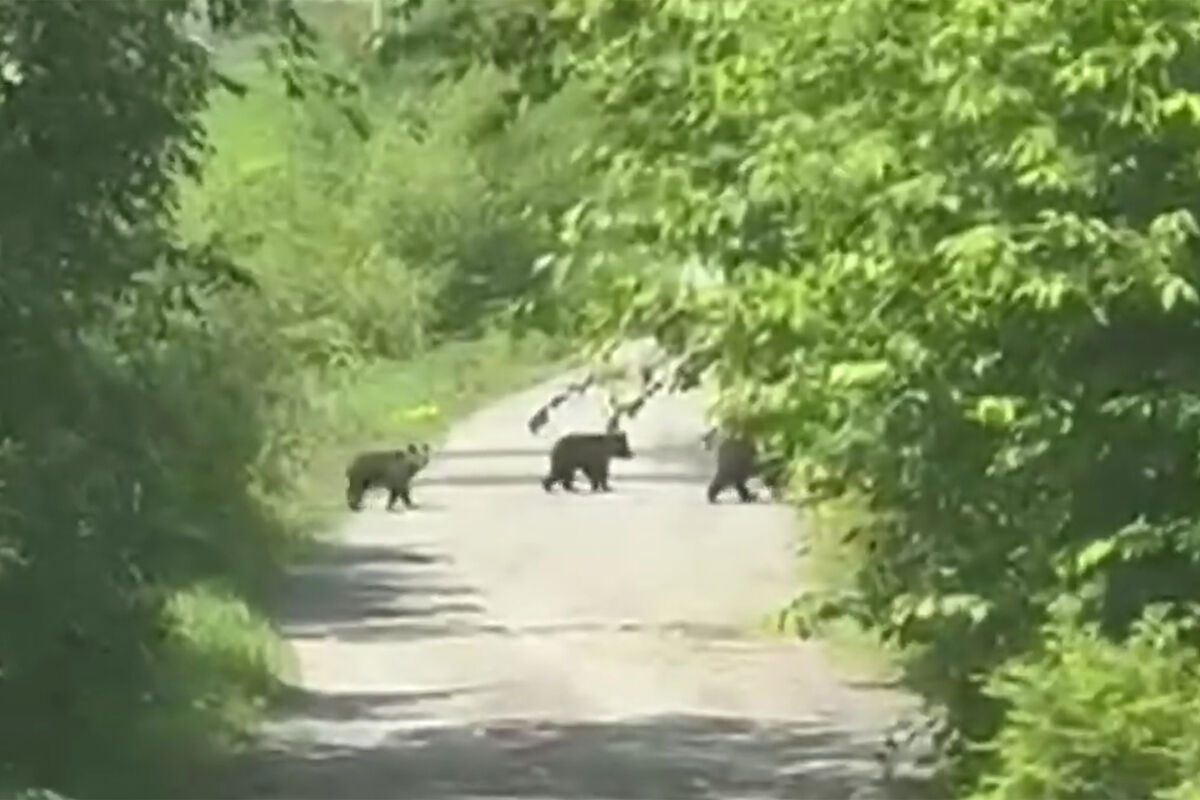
(502, 642)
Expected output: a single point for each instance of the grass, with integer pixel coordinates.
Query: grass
(826, 561)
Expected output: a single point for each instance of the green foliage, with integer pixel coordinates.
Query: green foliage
(129, 466)
(166, 362)
(159, 474)
(429, 227)
(281, 194)
(944, 250)
(220, 660)
(1091, 718)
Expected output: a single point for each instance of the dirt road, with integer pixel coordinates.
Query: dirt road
(502, 642)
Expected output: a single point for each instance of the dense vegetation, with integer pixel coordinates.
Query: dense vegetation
(943, 255)
(216, 276)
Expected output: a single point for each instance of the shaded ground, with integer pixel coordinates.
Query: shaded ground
(502, 642)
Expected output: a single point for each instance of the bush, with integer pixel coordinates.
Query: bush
(165, 471)
(1092, 718)
(282, 193)
(162, 407)
(137, 424)
(379, 247)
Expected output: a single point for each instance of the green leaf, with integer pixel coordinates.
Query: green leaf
(1174, 288)
(1182, 104)
(1095, 554)
(859, 373)
(1046, 291)
(972, 606)
(995, 411)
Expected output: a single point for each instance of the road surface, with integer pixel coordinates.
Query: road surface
(502, 642)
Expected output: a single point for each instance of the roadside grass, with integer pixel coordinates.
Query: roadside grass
(828, 562)
(825, 561)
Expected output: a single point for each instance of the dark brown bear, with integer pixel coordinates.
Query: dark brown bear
(737, 462)
(589, 452)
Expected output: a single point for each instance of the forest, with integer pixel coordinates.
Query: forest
(940, 256)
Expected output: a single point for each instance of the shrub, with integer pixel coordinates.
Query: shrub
(1093, 718)
(165, 465)
(378, 247)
